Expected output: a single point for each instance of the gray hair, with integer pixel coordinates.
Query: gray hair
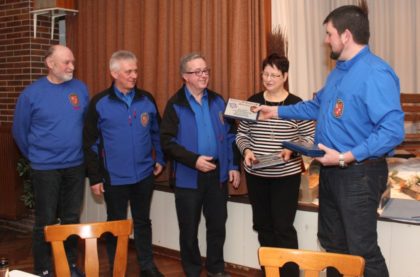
(118, 56)
(187, 58)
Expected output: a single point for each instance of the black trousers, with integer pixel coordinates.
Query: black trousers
(58, 194)
(274, 203)
(139, 195)
(211, 198)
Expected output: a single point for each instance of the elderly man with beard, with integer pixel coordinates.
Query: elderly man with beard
(47, 128)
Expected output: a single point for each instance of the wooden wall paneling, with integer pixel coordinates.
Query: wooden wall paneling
(11, 185)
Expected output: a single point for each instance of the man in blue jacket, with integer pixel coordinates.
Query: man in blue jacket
(359, 123)
(47, 128)
(123, 154)
(200, 142)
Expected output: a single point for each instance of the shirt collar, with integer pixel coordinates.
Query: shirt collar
(126, 98)
(190, 97)
(130, 94)
(346, 65)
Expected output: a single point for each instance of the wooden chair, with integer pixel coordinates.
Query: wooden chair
(311, 262)
(90, 232)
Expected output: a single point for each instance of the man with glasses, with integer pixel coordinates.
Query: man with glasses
(121, 134)
(200, 142)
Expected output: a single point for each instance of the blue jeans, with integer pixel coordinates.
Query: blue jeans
(348, 202)
(58, 198)
(139, 195)
(211, 198)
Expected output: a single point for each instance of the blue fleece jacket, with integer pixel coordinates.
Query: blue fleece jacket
(179, 135)
(122, 142)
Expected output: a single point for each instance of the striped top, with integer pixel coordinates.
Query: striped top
(266, 136)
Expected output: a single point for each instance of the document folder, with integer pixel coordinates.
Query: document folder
(304, 148)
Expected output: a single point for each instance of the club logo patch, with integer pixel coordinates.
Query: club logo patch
(74, 100)
(338, 108)
(144, 119)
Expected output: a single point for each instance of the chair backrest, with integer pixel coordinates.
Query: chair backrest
(311, 262)
(90, 232)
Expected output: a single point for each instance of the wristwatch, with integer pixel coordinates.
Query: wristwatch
(341, 162)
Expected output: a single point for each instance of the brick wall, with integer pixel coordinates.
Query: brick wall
(21, 55)
(21, 62)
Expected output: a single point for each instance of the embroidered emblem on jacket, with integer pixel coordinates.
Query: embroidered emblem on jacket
(338, 108)
(74, 100)
(144, 119)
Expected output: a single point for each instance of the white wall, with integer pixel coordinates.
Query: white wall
(395, 37)
(400, 243)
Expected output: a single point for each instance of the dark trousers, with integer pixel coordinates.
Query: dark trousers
(348, 202)
(211, 198)
(274, 203)
(58, 198)
(139, 195)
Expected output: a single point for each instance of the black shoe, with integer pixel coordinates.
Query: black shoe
(151, 272)
(218, 274)
(76, 272)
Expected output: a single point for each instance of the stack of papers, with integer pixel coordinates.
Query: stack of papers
(263, 161)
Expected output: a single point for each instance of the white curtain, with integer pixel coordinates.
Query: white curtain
(395, 36)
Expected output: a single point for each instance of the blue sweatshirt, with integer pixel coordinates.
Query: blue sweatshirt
(358, 109)
(48, 123)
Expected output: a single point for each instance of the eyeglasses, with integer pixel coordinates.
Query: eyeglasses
(199, 73)
(272, 76)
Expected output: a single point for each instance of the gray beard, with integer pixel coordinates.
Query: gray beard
(66, 78)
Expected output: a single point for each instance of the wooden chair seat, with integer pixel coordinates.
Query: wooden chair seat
(90, 232)
(311, 262)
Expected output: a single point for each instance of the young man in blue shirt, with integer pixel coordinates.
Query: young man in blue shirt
(359, 123)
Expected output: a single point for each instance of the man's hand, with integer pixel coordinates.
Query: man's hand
(331, 156)
(158, 169)
(249, 157)
(266, 112)
(234, 178)
(97, 189)
(204, 164)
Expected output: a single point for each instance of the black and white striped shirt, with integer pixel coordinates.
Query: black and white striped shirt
(266, 137)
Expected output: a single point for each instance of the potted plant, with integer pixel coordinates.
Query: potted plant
(24, 171)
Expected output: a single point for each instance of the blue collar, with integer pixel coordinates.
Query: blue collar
(346, 65)
(126, 98)
(190, 97)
